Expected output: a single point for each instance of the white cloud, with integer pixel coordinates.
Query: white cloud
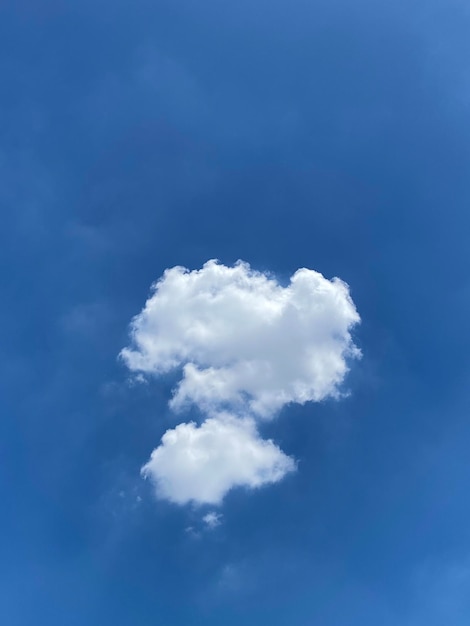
(246, 346)
(243, 340)
(202, 463)
(212, 519)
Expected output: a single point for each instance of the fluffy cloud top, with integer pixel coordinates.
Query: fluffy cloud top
(201, 464)
(247, 346)
(243, 339)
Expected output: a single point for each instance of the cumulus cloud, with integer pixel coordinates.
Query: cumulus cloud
(246, 346)
(201, 463)
(244, 340)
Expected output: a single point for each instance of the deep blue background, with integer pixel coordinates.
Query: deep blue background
(327, 134)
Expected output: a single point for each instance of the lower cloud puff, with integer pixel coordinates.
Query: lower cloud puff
(200, 464)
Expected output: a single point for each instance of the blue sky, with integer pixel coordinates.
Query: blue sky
(139, 136)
